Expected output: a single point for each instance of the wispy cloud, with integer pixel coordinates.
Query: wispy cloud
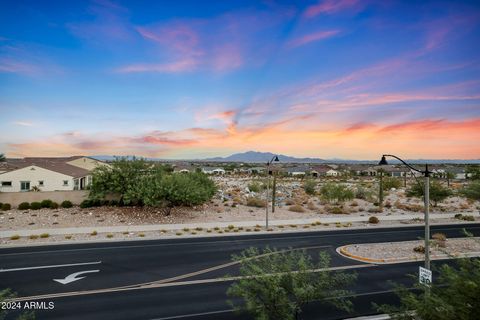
(330, 7)
(312, 37)
(23, 123)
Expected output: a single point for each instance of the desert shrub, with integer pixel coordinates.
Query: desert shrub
(437, 192)
(170, 190)
(458, 216)
(46, 203)
(66, 204)
(311, 206)
(354, 204)
(94, 233)
(468, 218)
(439, 236)
(33, 237)
(373, 220)
(44, 235)
(391, 182)
(86, 204)
(419, 249)
(6, 206)
(337, 210)
(15, 237)
(309, 186)
(388, 204)
(24, 206)
(254, 186)
(362, 193)
(374, 210)
(54, 205)
(256, 202)
(336, 193)
(289, 202)
(472, 190)
(35, 205)
(113, 203)
(296, 208)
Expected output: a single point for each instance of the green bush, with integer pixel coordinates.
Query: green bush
(373, 220)
(54, 205)
(46, 203)
(336, 193)
(472, 191)
(254, 187)
(66, 204)
(437, 192)
(391, 182)
(86, 204)
(24, 206)
(6, 206)
(35, 205)
(309, 186)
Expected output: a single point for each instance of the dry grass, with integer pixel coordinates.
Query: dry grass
(296, 208)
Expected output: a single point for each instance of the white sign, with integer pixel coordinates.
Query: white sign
(73, 277)
(425, 276)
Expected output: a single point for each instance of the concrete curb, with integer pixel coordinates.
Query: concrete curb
(344, 252)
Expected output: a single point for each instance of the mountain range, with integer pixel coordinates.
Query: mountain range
(262, 157)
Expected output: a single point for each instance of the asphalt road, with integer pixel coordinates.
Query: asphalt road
(175, 278)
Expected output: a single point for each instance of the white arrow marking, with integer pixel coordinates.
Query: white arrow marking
(73, 277)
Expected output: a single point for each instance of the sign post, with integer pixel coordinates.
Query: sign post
(425, 276)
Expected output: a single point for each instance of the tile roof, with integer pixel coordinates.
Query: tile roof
(59, 165)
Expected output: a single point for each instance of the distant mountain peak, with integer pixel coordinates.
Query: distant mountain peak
(257, 156)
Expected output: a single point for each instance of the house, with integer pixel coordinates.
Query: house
(213, 170)
(183, 168)
(297, 171)
(459, 173)
(47, 174)
(324, 170)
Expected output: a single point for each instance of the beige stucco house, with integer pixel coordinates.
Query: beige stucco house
(47, 174)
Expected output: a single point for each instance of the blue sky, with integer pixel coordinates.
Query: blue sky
(190, 79)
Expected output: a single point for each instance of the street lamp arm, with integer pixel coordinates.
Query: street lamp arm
(409, 166)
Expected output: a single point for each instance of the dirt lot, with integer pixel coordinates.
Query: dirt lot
(230, 205)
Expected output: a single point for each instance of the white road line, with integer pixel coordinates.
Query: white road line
(195, 314)
(51, 266)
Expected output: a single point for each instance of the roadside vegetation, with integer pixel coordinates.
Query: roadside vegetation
(137, 182)
(7, 294)
(279, 284)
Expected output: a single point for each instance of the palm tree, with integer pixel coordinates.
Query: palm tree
(2, 157)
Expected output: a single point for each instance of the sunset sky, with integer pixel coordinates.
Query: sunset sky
(179, 79)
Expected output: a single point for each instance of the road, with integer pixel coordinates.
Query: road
(179, 278)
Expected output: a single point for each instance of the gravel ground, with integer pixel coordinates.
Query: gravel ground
(404, 250)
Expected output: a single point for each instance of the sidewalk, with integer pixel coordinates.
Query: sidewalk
(208, 225)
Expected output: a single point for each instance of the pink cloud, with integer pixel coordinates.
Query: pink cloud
(8, 65)
(312, 37)
(329, 7)
(173, 67)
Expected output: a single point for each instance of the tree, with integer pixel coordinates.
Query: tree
(437, 192)
(170, 190)
(472, 190)
(2, 157)
(453, 296)
(449, 176)
(336, 193)
(7, 294)
(121, 178)
(391, 182)
(278, 284)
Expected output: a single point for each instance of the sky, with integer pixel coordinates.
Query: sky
(349, 79)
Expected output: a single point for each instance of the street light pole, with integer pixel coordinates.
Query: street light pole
(275, 158)
(426, 197)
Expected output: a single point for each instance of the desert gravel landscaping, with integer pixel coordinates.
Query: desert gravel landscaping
(411, 250)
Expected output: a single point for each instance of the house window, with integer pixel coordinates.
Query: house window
(6, 183)
(40, 183)
(65, 182)
(25, 185)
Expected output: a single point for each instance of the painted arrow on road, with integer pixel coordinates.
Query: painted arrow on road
(73, 277)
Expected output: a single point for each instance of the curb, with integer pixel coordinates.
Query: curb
(344, 252)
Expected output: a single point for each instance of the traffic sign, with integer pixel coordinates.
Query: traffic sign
(425, 276)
